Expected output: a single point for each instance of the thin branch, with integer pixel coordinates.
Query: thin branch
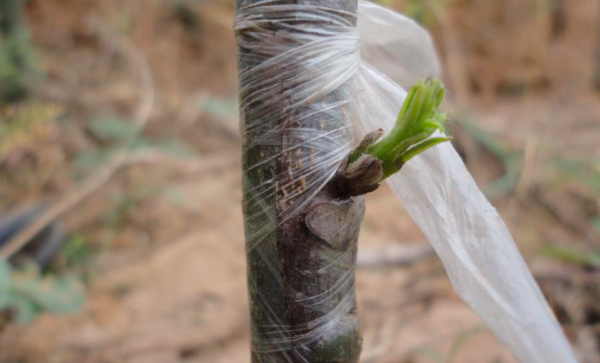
(101, 176)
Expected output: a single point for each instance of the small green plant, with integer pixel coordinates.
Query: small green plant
(113, 128)
(25, 292)
(25, 126)
(115, 132)
(125, 206)
(75, 255)
(114, 135)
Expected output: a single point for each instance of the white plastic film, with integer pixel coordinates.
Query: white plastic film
(478, 252)
(395, 45)
(308, 76)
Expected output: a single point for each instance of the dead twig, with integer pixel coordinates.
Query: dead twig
(64, 203)
(97, 179)
(101, 176)
(137, 61)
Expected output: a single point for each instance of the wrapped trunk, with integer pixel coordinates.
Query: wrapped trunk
(301, 224)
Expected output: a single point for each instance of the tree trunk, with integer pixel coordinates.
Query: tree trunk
(301, 227)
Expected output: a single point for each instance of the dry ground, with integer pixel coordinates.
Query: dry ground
(171, 287)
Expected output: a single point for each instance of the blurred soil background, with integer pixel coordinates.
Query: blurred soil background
(125, 135)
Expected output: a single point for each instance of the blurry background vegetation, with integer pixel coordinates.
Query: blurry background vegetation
(120, 223)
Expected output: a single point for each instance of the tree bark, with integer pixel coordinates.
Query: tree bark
(301, 264)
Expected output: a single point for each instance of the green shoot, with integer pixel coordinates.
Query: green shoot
(418, 120)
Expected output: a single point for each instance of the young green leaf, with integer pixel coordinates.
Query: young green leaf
(113, 128)
(418, 120)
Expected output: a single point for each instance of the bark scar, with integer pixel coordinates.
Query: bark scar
(332, 222)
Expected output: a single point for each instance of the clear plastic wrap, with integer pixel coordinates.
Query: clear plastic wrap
(308, 77)
(296, 68)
